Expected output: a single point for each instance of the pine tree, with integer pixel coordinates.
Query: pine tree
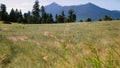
(35, 12)
(20, 17)
(16, 15)
(28, 19)
(63, 17)
(72, 16)
(25, 18)
(49, 18)
(56, 17)
(12, 16)
(44, 15)
(3, 13)
(60, 19)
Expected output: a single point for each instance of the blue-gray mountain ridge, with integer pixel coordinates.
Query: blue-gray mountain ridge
(83, 12)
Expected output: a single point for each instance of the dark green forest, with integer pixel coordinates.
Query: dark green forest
(38, 16)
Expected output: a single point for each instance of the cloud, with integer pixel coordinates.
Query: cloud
(25, 7)
(26, 4)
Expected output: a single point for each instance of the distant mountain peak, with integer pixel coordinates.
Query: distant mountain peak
(89, 3)
(54, 4)
(84, 11)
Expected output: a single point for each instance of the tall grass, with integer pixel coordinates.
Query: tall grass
(75, 45)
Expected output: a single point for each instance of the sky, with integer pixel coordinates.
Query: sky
(26, 5)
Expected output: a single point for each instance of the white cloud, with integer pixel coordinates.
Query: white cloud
(25, 7)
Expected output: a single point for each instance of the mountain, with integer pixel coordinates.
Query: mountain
(84, 11)
(54, 9)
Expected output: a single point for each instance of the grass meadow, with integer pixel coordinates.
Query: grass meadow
(69, 45)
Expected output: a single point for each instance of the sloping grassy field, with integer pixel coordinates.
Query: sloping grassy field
(75, 45)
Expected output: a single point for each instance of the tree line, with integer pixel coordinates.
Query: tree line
(106, 18)
(38, 16)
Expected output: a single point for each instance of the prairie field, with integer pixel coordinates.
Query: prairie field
(69, 45)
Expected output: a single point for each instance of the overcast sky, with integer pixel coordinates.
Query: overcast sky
(26, 5)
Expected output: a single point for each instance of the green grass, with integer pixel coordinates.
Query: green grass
(74, 45)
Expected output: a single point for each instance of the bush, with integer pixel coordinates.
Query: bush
(88, 20)
(100, 19)
(107, 18)
(81, 21)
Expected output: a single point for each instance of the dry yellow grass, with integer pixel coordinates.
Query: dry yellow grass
(74, 45)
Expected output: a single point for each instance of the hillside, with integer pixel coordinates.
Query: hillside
(83, 11)
(74, 45)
